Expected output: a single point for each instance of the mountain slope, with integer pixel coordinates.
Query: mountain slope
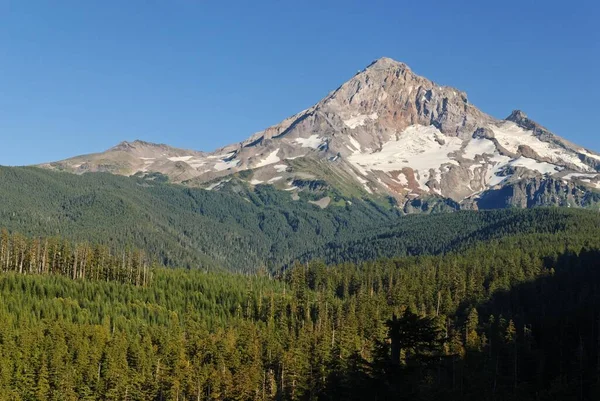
(456, 232)
(242, 228)
(386, 131)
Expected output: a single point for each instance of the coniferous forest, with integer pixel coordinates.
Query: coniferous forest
(116, 288)
(512, 315)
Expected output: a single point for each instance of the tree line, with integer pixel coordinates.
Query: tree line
(56, 255)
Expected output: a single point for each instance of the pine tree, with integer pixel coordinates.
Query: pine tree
(42, 388)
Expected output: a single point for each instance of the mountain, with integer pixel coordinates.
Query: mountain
(129, 158)
(243, 230)
(385, 132)
(246, 229)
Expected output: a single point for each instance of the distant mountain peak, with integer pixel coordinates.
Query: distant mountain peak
(121, 146)
(137, 144)
(386, 62)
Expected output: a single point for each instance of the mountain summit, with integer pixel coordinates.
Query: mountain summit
(386, 131)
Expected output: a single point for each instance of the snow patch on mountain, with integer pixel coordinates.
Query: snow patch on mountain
(532, 164)
(216, 184)
(355, 144)
(313, 141)
(418, 147)
(402, 179)
(511, 136)
(274, 179)
(180, 158)
(588, 154)
(196, 163)
(359, 120)
(272, 158)
(224, 165)
(495, 179)
(497, 163)
(478, 147)
(364, 183)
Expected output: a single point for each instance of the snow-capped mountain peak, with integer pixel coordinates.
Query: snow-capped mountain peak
(386, 130)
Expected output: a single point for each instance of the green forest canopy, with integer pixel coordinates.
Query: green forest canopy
(241, 229)
(514, 316)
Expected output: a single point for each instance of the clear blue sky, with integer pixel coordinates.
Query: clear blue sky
(80, 76)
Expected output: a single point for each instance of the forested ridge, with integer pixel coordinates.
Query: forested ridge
(447, 232)
(515, 317)
(242, 229)
(184, 227)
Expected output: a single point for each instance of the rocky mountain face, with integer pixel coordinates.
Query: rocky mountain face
(138, 157)
(389, 132)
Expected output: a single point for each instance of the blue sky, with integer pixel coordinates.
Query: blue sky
(80, 76)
